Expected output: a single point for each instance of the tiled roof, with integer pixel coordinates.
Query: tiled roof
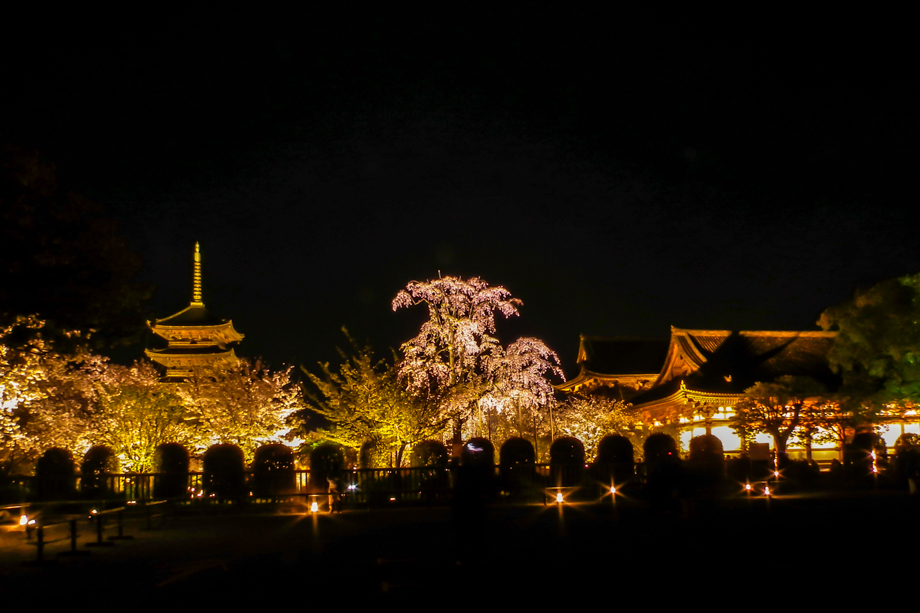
(731, 362)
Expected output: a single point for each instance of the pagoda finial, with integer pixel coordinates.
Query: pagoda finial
(196, 279)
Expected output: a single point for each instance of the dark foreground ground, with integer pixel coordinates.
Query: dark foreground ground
(790, 552)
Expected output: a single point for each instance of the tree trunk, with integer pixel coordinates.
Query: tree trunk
(779, 441)
(536, 446)
(457, 440)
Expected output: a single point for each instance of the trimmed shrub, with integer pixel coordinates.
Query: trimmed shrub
(478, 452)
(706, 453)
(273, 471)
(706, 448)
(615, 449)
(476, 476)
(907, 457)
(664, 472)
(433, 456)
(98, 462)
(858, 454)
(224, 471)
(706, 463)
(327, 461)
(171, 462)
(615, 460)
(659, 447)
(567, 461)
(429, 453)
(55, 474)
(516, 464)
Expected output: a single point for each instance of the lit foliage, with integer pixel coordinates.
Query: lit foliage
(135, 413)
(592, 418)
(247, 405)
(877, 348)
(44, 395)
(78, 399)
(518, 374)
(778, 408)
(834, 418)
(456, 359)
(366, 404)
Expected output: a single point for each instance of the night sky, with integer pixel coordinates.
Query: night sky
(616, 179)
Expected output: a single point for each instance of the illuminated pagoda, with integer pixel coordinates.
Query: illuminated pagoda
(195, 338)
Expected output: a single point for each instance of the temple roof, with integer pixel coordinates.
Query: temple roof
(622, 355)
(730, 362)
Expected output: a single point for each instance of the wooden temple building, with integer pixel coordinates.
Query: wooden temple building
(194, 337)
(693, 379)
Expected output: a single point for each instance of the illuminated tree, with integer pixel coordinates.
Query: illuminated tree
(367, 405)
(833, 419)
(246, 405)
(877, 348)
(136, 413)
(456, 360)
(44, 395)
(592, 418)
(517, 380)
(778, 408)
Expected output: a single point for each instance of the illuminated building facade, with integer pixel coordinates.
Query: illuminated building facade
(694, 378)
(194, 337)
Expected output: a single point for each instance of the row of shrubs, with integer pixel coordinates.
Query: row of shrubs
(272, 471)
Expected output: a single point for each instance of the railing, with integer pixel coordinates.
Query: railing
(359, 486)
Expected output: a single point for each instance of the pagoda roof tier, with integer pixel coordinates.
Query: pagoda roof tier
(196, 320)
(195, 314)
(189, 350)
(179, 363)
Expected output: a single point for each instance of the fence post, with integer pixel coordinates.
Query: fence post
(99, 541)
(41, 543)
(73, 542)
(99, 529)
(121, 531)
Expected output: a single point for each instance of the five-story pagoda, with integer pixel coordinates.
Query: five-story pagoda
(195, 338)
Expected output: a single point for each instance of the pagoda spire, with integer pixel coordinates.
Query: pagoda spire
(196, 279)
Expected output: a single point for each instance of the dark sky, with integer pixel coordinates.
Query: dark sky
(616, 179)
